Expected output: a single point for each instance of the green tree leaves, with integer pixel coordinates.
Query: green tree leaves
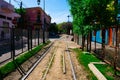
(86, 12)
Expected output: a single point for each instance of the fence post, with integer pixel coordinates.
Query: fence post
(28, 39)
(31, 37)
(12, 44)
(38, 36)
(22, 39)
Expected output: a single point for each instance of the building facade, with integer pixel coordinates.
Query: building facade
(99, 36)
(36, 17)
(7, 14)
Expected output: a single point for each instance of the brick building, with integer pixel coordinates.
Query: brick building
(35, 17)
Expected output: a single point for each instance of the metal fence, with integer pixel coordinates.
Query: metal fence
(19, 41)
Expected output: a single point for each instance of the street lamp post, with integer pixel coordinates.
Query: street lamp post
(38, 1)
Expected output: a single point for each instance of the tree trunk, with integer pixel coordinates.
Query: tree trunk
(83, 42)
(103, 44)
(115, 55)
(95, 42)
(78, 39)
(90, 41)
(87, 42)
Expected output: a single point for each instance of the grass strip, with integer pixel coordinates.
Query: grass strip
(85, 59)
(107, 71)
(9, 67)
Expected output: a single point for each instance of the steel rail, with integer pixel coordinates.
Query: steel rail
(44, 76)
(64, 65)
(35, 65)
(71, 64)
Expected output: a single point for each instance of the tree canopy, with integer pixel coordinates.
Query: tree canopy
(86, 12)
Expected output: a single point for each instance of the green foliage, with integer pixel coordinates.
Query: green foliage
(64, 26)
(19, 11)
(106, 70)
(85, 12)
(53, 28)
(87, 29)
(7, 68)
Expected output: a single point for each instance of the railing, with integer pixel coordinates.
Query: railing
(18, 41)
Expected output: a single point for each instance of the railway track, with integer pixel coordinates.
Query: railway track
(70, 60)
(37, 62)
(53, 70)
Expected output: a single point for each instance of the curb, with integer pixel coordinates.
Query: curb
(95, 71)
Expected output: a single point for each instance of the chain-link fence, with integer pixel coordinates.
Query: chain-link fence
(18, 41)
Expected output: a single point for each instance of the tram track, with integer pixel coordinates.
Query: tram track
(48, 67)
(55, 72)
(54, 62)
(37, 62)
(70, 60)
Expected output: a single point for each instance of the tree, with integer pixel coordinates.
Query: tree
(65, 27)
(22, 22)
(53, 28)
(84, 12)
(82, 18)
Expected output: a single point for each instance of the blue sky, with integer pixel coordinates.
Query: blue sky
(57, 9)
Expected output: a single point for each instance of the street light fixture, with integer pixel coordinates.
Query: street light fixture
(68, 17)
(38, 1)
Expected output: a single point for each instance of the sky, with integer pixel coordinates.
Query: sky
(57, 9)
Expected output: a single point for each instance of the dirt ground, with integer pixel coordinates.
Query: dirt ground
(56, 69)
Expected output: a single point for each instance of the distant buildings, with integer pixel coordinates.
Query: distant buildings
(110, 36)
(35, 17)
(7, 14)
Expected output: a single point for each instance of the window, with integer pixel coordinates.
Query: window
(2, 16)
(5, 25)
(9, 18)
